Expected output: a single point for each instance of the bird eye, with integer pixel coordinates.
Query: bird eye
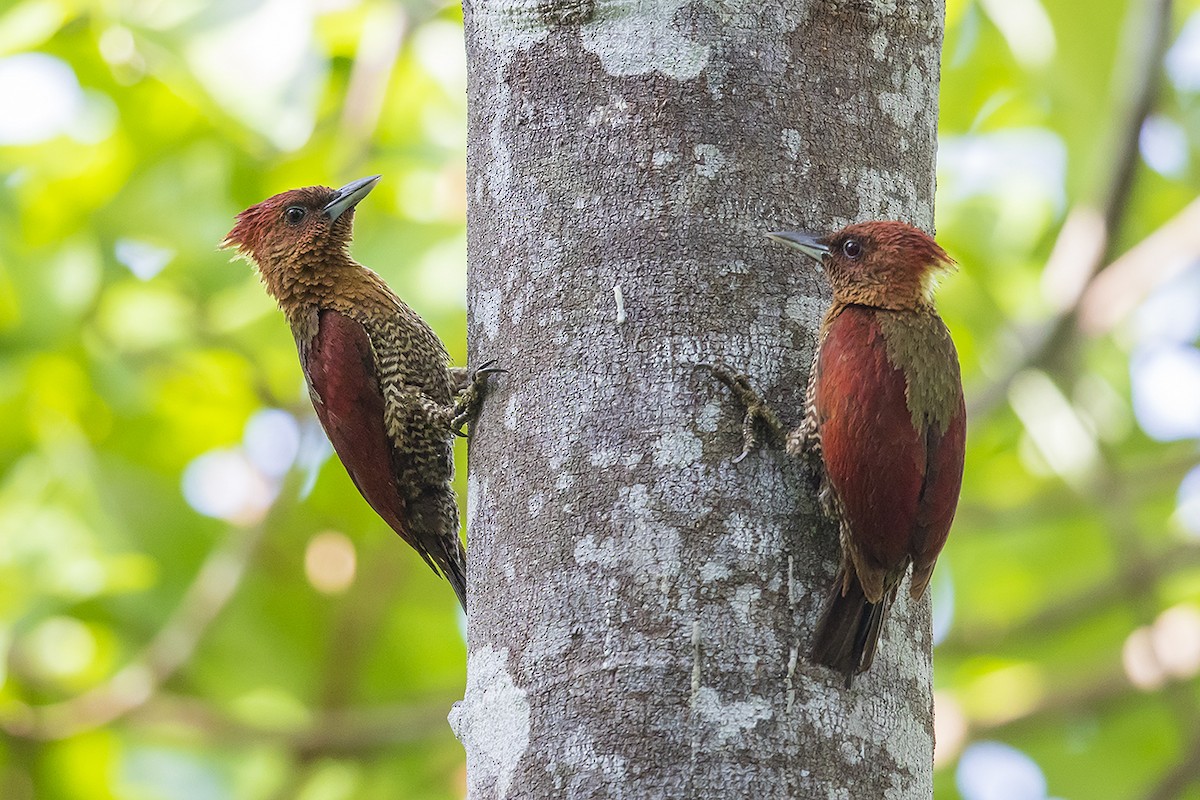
(852, 248)
(294, 215)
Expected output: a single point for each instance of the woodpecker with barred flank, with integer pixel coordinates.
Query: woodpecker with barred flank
(377, 374)
(884, 425)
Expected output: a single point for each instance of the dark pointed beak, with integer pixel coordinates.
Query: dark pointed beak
(808, 243)
(348, 196)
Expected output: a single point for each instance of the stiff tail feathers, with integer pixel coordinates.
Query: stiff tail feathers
(430, 525)
(448, 564)
(847, 632)
(454, 568)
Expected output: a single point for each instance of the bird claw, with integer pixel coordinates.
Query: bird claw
(759, 418)
(470, 395)
(463, 378)
(736, 381)
(487, 368)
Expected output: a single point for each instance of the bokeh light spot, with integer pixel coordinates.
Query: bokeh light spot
(942, 590)
(143, 259)
(1061, 436)
(1018, 165)
(1167, 649)
(1140, 663)
(42, 95)
(438, 46)
(1187, 508)
(949, 728)
(1172, 312)
(1166, 383)
(139, 317)
(330, 562)
(225, 485)
(996, 771)
(1164, 146)
(262, 66)
(1006, 693)
(1176, 637)
(1026, 28)
(272, 441)
(1183, 59)
(60, 647)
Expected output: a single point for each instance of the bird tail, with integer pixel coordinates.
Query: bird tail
(430, 525)
(848, 629)
(454, 568)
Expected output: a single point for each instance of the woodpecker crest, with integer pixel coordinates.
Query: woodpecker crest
(299, 239)
(889, 265)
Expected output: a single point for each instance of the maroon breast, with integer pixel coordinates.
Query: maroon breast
(874, 458)
(340, 368)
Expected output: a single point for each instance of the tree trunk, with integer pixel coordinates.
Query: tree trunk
(641, 608)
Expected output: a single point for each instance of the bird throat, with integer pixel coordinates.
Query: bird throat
(310, 281)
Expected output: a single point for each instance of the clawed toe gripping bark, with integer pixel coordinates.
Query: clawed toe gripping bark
(472, 386)
(760, 424)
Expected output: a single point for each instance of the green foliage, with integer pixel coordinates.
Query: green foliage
(130, 346)
(132, 355)
(1076, 582)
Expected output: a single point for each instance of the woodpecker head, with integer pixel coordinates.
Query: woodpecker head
(880, 264)
(298, 230)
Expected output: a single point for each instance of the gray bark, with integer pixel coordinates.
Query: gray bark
(640, 607)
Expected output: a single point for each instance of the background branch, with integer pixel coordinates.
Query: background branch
(136, 683)
(1085, 240)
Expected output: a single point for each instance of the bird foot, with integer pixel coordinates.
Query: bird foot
(760, 422)
(471, 386)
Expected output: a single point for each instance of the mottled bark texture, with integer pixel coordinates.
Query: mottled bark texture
(640, 607)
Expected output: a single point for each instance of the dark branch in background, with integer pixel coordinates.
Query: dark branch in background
(1077, 268)
(341, 732)
(1083, 605)
(1129, 587)
(135, 690)
(1085, 241)
(1185, 772)
(359, 621)
(361, 615)
(1108, 691)
(1112, 496)
(137, 682)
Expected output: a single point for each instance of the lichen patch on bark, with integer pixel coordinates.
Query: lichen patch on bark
(494, 719)
(730, 719)
(635, 39)
(487, 311)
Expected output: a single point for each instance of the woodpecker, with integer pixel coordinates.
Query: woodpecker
(377, 374)
(884, 425)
